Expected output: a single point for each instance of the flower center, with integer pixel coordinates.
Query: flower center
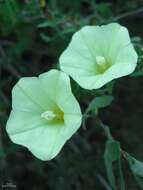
(100, 60)
(48, 115)
(102, 64)
(52, 115)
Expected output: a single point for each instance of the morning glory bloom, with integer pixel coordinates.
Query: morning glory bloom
(45, 113)
(98, 54)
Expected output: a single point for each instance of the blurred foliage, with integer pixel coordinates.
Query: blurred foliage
(33, 34)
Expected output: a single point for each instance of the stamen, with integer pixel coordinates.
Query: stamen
(100, 60)
(48, 115)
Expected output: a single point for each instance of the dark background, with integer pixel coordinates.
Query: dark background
(33, 34)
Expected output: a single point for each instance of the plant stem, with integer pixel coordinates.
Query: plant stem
(105, 128)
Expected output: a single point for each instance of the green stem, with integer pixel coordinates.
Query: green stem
(106, 129)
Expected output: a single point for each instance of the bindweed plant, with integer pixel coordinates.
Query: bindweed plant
(45, 113)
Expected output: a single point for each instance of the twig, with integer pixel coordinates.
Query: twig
(103, 182)
(128, 14)
(14, 71)
(5, 99)
(9, 67)
(3, 163)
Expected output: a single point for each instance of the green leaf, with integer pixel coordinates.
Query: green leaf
(46, 24)
(112, 154)
(51, 23)
(9, 14)
(45, 38)
(138, 73)
(135, 165)
(99, 102)
(110, 86)
(136, 168)
(13, 9)
(139, 181)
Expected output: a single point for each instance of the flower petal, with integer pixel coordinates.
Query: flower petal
(28, 95)
(44, 142)
(57, 85)
(21, 121)
(111, 43)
